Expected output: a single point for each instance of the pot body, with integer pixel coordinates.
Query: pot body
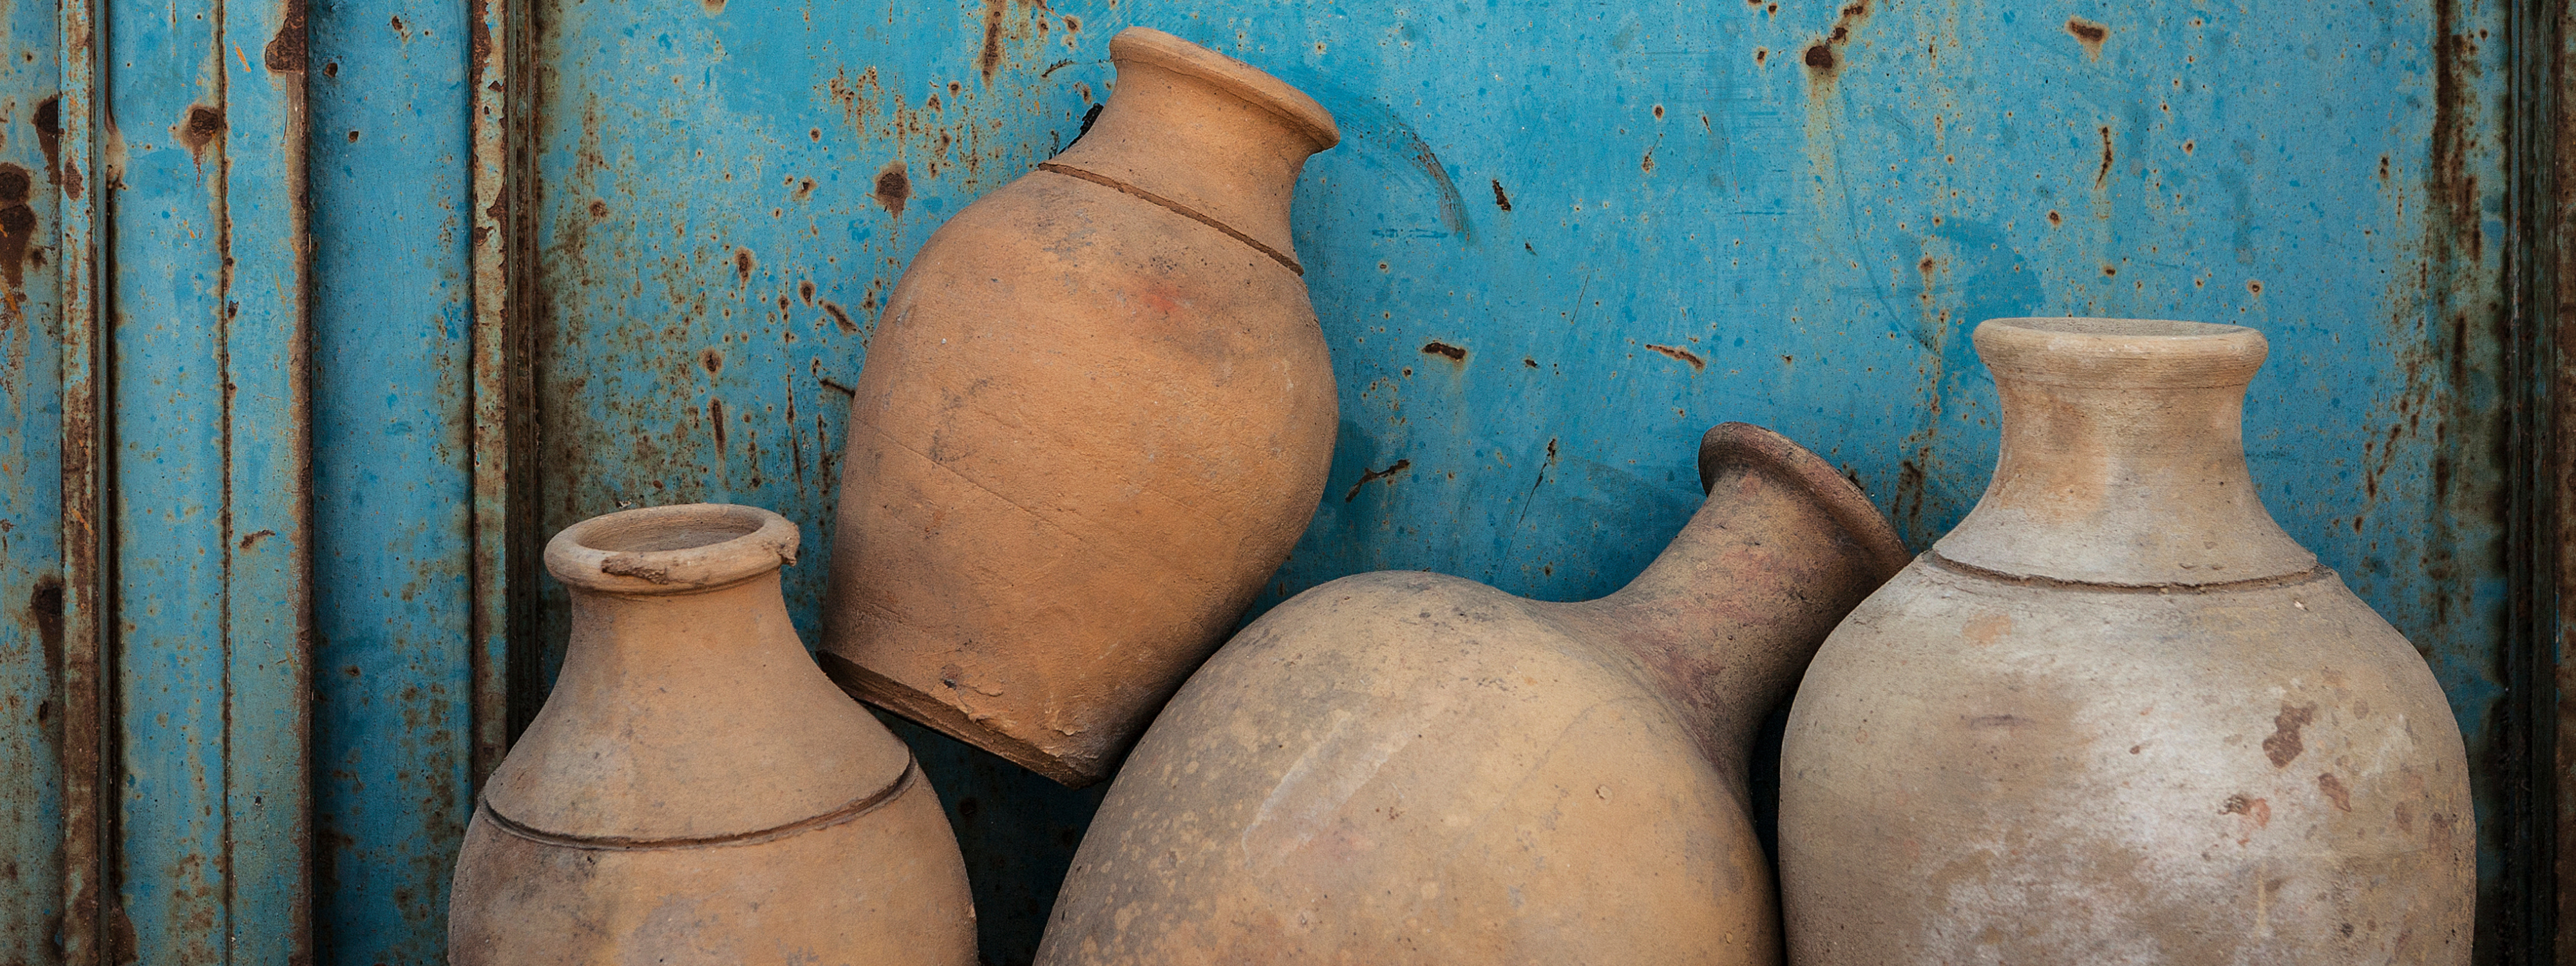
(1101, 383)
(695, 791)
(1406, 767)
(2118, 717)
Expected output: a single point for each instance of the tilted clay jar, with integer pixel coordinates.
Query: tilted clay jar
(2118, 716)
(1095, 418)
(1409, 768)
(694, 790)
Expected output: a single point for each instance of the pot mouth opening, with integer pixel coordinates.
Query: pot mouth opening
(2121, 353)
(1730, 444)
(1301, 113)
(672, 549)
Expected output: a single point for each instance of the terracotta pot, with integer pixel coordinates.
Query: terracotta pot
(2118, 716)
(1095, 418)
(695, 791)
(1405, 767)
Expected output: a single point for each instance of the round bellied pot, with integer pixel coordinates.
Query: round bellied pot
(694, 791)
(1097, 414)
(1409, 768)
(2118, 715)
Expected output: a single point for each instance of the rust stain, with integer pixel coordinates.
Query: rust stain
(1821, 55)
(805, 291)
(201, 127)
(711, 359)
(252, 539)
(1501, 200)
(2284, 744)
(716, 421)
(2103, 175)
(894, 187)
(17, 225)
(1372, 476)
(742, 264)
(1454, 353)
(840, 318)
(45, 610)
(1685, 355)
(2335, 791)
(286, 52)
(49, 136)
(991, 58)
(2089, 34)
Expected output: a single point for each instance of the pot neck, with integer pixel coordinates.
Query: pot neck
(2123, 457)
(1726, 618)
(1196, 130)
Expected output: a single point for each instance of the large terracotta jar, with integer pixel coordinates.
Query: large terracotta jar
(1410, 768)
(694, 791)
(2118, 716)
(1095, 418)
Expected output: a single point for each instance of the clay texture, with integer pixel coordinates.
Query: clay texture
(1409, 768)
(2118, 716)
(1096, 416)
(695, 791)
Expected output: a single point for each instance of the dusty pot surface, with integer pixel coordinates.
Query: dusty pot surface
(2118, 716)
(1405, 767)
(1096, 416)
(695, 791)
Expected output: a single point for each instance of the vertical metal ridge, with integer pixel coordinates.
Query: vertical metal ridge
(490, 396)
(87, 717)
(2544, 214)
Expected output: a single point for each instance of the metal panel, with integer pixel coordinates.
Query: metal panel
(395, 475)
(1561, 239)
(31, 572)
(206, 275)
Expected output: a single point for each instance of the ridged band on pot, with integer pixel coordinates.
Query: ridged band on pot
(695, 791)
(1405, 767)
(1097, 415)
(2118, 715)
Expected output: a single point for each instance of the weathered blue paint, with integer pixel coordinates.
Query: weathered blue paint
(1634, 221)
(393, 475)
(31, 571)
(206, 282)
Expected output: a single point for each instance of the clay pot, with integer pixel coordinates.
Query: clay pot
(1406, 767)
(2118, 716)
(695, 791)
(1095, 418)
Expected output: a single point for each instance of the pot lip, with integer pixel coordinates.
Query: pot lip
(1151, 46)
(2113, 352)
(681, 549)
(1841, 499)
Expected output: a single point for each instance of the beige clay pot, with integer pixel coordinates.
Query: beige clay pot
(2118, 716)
(1410, 768)
(695, 791)
(1097, 415)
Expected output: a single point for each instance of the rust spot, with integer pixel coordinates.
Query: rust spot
(1659, 112)
(598, 210)
(1526, 361)
(1685, 355)
(330, 68)
(814, 134)
(45, 610)
(253, 539)
(713, 6)
(353, 137)
(893, 188)
(711, 359)
(805, 291)
(285, 53)
(2055, 219)
(2089, 34)
(2109, 270)
(742, 264)
(1761, 55)
(991, 58)
(17, 225)
(2253, 286)
(49, 135)
(1501, 200)
(1819, 56)
(2333, 787)
(2383, 167)
(2103, 176)
(2284, 744)
(201, 127)
(716, 419)
(1373, 476)
(840, 318)
(1454, 353)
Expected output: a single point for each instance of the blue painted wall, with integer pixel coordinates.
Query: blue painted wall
(1637, 220)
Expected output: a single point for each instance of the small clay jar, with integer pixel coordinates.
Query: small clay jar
(1410, 768)
(1096, 415)
(2118, 715)
(695, 791)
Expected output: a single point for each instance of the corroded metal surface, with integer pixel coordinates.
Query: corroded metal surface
(1561, 240)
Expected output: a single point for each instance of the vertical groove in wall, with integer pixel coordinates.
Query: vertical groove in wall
(488, 77)
(86, 715)
(526, 649)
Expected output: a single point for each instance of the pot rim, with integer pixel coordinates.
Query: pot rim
(2121, 353)
(1150, 46)
(681, 549)
(1842, 500)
